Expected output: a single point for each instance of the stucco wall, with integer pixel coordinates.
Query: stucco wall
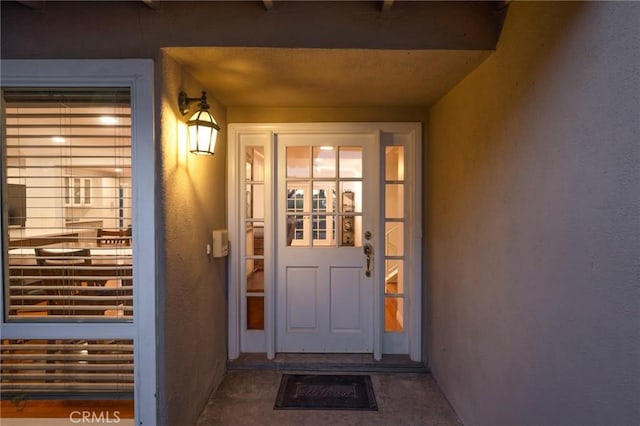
(533, 226)
(191, 284)
(325, 115)
(102, 29)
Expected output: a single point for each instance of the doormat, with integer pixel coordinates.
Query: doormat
(325, 392)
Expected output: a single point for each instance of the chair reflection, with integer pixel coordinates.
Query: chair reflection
(107, 237)
(67, 275)
(68, 257)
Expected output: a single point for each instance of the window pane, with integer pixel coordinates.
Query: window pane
(351, 197)
(255, 313)
(393, 314)
(254, 201)
(255, 276)
(68, 180)
(324, 162)
(296, 230)
(394, 163)
(255, 239)
(351, 231)
(350, 162)
(37, 367)
(394, 239)
(394, 201)
(323, 230)
(254, 166)
(394, 276)
(298, 162)
(324, 197)
(296, 197)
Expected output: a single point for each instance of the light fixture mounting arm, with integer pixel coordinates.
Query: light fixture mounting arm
(184, 101)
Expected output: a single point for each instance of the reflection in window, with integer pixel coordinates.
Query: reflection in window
(254, 213)
(75, 174)
(333, 213)
(68, 255)
(394, 238)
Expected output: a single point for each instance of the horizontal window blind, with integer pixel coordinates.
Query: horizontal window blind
(67, 193)
(62, 367)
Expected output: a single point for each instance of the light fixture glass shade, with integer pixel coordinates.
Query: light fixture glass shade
(203, 132)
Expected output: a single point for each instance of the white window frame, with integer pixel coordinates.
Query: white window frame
(136, 74)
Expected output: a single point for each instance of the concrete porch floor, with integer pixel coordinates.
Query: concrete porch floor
(247, 397)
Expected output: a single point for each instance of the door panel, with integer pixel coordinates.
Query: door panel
(302, 299)
(345, 300)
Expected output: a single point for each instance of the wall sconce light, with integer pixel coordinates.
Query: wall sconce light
(202, 127)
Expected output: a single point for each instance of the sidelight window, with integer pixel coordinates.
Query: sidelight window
(394, 238)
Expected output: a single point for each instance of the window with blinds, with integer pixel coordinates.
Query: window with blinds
(67, 205)
(60, 367)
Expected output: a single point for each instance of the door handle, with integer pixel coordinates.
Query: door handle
(368, 252)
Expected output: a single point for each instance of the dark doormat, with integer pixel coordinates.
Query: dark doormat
(325, 392)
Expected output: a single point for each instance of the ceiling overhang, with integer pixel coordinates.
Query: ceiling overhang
(339, 78)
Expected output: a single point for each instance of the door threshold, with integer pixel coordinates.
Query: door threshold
(327, 362)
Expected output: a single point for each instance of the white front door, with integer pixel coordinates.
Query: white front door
(326, 218)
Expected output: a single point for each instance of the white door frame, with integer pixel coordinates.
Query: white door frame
(251, 134)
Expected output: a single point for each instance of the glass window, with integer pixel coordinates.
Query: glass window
(324, 162)
(68, 193)
(350, 162)
(394, 314)
(68, 201)
(394, 238)
(394, 163)
(394, 201)
(298, 162)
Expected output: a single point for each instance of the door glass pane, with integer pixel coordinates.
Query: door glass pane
(394, 200)
(394, 239)
(254, 166)
(255, 276)
(351, 197)
(394, 163)
(393, 314)
(350, 162)
(324, 197)
(296, 198)
(351, 231)
(394, 276)
(255, 239)
(255, 201)
(296, 234)
(255, 313)
(324, 162)
(323, 230)
(298, 162)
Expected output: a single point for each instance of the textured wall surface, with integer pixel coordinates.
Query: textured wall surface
(191, 284)
(325, 115)
(533, 226)
(131, 29)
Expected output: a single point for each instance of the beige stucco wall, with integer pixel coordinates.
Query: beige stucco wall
(533, 231)
(191, 284)
(325, 115)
